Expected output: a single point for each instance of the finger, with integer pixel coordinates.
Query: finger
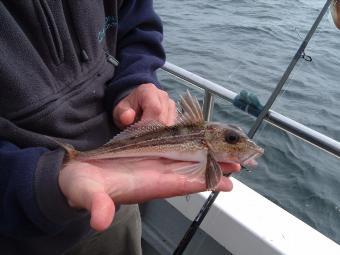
(127, 118)
(225, 184)
(164, 110)
(102, 211)
(152, 107)
(194, 186)
(124, 114)
(230, 167)
(172, 113)
(168, 114)
(155, 103)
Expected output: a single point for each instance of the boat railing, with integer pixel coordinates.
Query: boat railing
(278, 120)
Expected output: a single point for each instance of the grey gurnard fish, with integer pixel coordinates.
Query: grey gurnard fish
(189, 139)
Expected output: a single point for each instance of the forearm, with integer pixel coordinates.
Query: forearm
(139, 49)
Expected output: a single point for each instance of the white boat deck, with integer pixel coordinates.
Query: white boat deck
(246, 223)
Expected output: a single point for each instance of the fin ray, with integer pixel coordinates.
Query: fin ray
(138, 129)
(196, 169)
(70, 150)
(213, 172)
(191, 113)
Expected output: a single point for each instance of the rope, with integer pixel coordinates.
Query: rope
(248, 102)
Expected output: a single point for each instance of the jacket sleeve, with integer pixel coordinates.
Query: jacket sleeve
(31, 202)
(139, 49)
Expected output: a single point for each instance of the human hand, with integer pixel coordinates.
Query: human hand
(145, 102)
(99, 186)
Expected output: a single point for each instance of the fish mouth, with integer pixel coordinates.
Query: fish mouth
(246, 158)
(250, 160)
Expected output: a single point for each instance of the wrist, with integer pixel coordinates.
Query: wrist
(78, 181)
(65, 181)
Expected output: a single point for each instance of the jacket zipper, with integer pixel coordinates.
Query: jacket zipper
(111, 59)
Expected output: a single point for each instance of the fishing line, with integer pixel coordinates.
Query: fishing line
(306, 57)
(287, 73)
(213, 195)
(237, 68)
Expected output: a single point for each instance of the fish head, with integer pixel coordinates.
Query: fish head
(230, 144)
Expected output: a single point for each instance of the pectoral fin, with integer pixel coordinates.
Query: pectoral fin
(192, 171)
(213, 172)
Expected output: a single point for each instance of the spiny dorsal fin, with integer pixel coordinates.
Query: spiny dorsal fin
(191, 111)
(138, 129)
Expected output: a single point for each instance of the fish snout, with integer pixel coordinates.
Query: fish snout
(249, 158)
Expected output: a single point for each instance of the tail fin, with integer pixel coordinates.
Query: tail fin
(70, 150)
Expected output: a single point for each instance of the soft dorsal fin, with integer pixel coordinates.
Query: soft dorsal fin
(191, 112)
(138, 129)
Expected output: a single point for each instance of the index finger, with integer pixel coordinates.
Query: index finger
(151, 107)
(228, 168)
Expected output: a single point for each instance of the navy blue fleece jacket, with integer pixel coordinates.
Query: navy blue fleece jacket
(56, 80)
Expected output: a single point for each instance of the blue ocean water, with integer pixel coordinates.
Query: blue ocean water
(247, 45)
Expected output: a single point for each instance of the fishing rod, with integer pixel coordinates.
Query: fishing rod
(213, 195)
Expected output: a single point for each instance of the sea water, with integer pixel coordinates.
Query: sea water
(247, 45)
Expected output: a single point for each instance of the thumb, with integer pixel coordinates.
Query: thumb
(123, 114)
(102, 211)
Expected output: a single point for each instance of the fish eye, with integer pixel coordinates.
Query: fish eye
(232, 137)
